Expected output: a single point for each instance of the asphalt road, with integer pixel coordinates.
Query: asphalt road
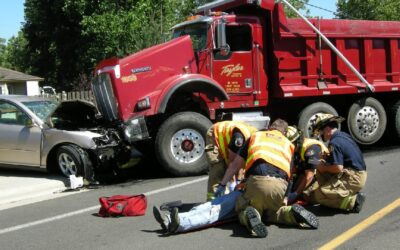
(70, 222)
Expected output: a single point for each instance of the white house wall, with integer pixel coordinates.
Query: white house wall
(32, 88)
(3, 89)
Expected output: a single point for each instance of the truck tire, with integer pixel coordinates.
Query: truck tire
(367, 120)
(180, 143)
(395, 119)
(69, 161)
(309, 114)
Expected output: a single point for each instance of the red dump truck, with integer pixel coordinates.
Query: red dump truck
(241, 58)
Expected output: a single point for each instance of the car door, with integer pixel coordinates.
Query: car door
(20, 143)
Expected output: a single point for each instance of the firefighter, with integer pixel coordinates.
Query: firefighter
(266, 158)
(308, 154)
(222, 143)
(343, 174)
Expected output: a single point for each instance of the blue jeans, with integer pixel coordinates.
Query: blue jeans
(205, 214)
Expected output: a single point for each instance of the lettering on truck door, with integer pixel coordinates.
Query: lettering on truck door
(234, 71)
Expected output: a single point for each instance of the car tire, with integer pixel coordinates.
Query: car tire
(367, 120)
(180, 143)
(307, 116)
(70, 161)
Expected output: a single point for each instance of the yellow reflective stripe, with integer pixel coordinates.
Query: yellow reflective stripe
(273, 146)
(222, 149)
(278, 161)
(345, 203)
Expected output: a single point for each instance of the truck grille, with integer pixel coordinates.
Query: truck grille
(105, 98)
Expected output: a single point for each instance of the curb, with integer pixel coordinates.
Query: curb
(16, 188)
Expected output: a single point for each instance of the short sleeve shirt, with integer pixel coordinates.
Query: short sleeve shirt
(344, 151)
(237, 141)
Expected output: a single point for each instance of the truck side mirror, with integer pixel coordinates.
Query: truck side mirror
(221, 39)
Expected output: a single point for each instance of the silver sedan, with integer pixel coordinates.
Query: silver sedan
(67, 137)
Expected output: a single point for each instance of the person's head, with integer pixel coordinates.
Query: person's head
(326, 125)
(280, 125)
(293, 134)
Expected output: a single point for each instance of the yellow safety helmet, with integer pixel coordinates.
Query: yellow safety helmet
(323, 119)
(292, 133)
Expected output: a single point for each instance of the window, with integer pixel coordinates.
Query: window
(197, 32)
(10, 114)
(239, 37)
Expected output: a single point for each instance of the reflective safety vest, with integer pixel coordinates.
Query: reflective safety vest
(309, 142)
(223, 133)
(271, 146)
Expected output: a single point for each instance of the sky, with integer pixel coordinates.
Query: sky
(12, 14)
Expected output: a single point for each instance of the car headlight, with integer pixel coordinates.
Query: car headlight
(136, 129)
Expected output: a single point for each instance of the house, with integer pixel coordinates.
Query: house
(16, 83)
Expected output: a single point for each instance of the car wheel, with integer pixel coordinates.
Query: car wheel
(367, 120)
(69, 161)
(309, 114)
(180, 144)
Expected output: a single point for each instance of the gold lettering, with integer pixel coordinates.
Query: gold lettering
(229, 69)
(130, 78)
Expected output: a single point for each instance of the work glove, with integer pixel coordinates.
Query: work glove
(220, 191)
(292, 197)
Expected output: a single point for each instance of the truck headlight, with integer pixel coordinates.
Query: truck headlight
(136, 129)
(143, 104)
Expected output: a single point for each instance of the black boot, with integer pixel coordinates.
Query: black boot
(360, 199)
(304, 216)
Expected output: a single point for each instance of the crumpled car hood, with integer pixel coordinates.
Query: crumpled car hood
(75, 115)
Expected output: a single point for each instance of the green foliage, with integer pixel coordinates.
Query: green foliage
(299, 5)
(3, 48)
(15, 54)
(369, 9)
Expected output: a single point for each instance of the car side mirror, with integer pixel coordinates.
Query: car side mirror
(29, 123)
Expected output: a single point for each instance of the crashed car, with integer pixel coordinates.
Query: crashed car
(64, 136)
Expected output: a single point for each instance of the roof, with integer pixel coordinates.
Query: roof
(12, 75)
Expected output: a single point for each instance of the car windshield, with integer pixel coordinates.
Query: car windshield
(42, 108)
(197, 32)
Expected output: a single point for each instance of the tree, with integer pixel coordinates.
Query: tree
(369, 9)
(2, 52)
(299, 5)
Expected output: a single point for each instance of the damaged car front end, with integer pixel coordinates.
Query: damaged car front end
(70, 137)
(105, 148)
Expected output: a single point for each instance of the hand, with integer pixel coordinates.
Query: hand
(220, 191)
(292, 197)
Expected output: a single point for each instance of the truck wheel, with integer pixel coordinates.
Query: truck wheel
(309, 114)
(367, 120)
(395, 118)
(180, 143)
(69, 161)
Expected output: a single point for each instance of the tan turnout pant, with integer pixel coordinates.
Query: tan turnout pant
(266, 194)
(337, 190)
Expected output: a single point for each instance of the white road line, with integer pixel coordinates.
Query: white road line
(85, 210)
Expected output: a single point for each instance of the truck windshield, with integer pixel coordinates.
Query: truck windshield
(197, 32)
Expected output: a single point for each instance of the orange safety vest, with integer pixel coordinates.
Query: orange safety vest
(309, 142)
(271, 146)
(223, 133)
